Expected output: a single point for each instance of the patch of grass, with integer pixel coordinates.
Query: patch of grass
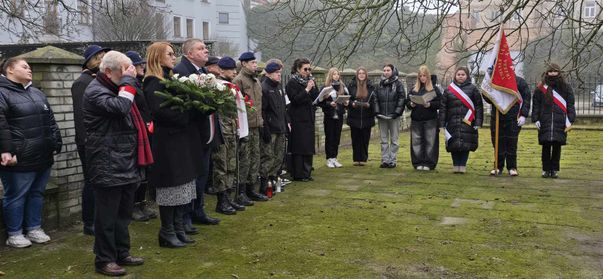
(367, 222)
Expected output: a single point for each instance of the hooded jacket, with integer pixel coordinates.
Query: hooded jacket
(27, 127)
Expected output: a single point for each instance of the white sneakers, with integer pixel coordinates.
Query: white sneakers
(423, 168)
(38, 236)
(332, 163)
(18, 241)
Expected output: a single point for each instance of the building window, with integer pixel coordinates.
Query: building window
(223, 18)
(83, 8)
(177, 28)
(589, 10)
(189, 28)
(205, 30)
(160, 26)
(52, 22)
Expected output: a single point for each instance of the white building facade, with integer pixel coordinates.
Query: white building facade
(223, 21)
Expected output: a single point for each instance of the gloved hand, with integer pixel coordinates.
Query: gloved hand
(521, 121)
(537, 123)
(475, 127)
(265, 134)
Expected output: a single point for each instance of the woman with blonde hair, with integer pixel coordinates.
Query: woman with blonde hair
(361, 118)
(176, 148)
(333, 116)
(424, 140)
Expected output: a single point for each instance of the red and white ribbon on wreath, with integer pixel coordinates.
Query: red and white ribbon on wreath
(559, 101)
(458, 92)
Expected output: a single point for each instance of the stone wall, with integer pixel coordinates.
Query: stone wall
(54, 71)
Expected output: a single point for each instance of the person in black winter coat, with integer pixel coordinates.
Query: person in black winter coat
(117, 151)
(389, 106)
(195, 56)
(333, 116)
(460, 115)
(424, 137)
(93, 55)
(361, 117)
(29, 136)
(509, 127)
(553, 113)
(274, 113)
(176, 148)
(301, 91)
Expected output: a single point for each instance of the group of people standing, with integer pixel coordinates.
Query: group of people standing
(457, 112)
(133, 149)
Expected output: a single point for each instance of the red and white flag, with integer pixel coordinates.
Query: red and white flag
(499, 84)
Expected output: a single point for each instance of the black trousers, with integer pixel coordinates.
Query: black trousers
(424, 143)
(332, 135)
(551, 155)
(114, 207)
(460, 158)
(508, 133)
(87, 192)
(301, 166)
(360, 143)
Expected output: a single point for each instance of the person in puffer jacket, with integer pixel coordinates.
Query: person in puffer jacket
(460, 123)
(29, 137)
(389, 106)
(553, 113)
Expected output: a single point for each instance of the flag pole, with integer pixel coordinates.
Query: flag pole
(496, 142)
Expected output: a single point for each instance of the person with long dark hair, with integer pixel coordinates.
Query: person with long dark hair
(333, 116)
(424, 137)
(361, 117)
(301, 90)
(389, 106)
(460, 115)
(553, 114)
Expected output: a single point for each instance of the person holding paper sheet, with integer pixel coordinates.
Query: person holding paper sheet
(333, 116)
(389, 105)
(361, 118)
(461, 114)
(553, 113)
(424, 139)
(301, 90)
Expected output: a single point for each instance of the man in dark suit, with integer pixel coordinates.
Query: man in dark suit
(195, 55)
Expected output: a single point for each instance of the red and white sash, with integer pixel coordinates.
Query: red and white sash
(458, 92)
(559, 101)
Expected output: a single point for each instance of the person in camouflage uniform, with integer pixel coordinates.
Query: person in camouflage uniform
(274, 132)
(249, 151)
(224, 156)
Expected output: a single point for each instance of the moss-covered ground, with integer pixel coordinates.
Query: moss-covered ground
(367, 222)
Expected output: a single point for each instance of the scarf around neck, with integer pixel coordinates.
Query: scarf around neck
(145, 156)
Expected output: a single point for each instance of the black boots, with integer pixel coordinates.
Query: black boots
(202, 218)
(233, 203)
(167, 234)
(242, 198)
(254, 195)
(179, 226)
(223, 206)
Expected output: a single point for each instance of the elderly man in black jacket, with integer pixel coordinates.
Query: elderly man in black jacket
(117, 149)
